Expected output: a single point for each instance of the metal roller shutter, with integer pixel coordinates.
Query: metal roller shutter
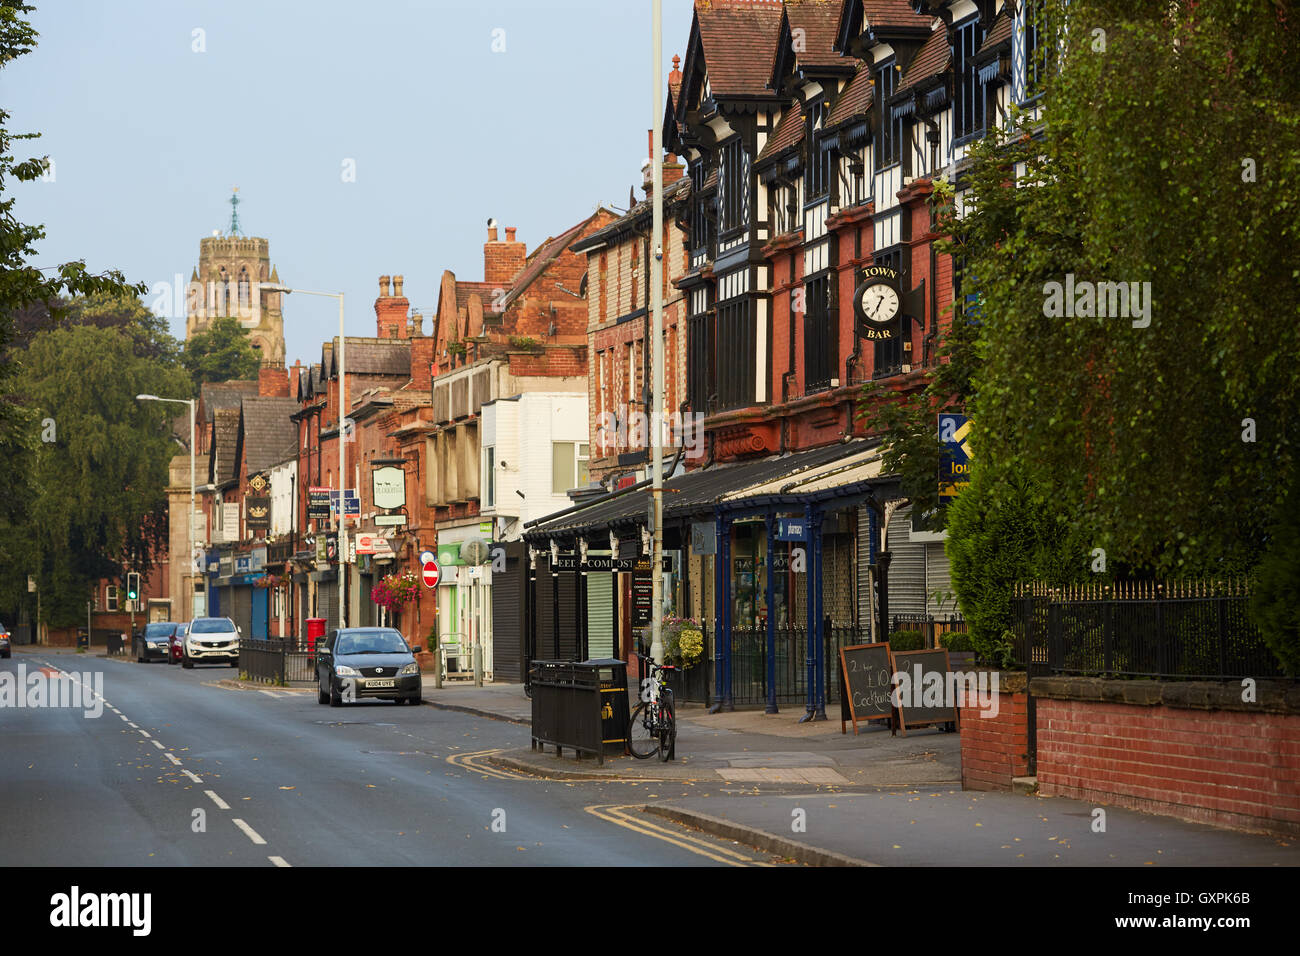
(508, 617)
(600, 614)
(906, 568)
(568, 615)
(241, 610)
(937, 578)
(543, 617)
(327, 604)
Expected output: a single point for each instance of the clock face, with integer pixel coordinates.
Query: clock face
(879, 303)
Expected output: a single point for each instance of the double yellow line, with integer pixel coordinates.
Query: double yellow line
(620, 815)
(470, 761)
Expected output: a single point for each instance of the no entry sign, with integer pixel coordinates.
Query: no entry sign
(431, 574)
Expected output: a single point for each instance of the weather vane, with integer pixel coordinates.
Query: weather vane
(234, 211)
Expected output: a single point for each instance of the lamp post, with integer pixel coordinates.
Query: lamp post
(189, 614)
(343, 408)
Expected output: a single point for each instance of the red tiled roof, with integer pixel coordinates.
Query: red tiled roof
(932, 59)
(856, 99)
(999, 32)
(818, 19)
(739, 40)
(893, 13)
(789, 132)
(542, 257)
(484, 290)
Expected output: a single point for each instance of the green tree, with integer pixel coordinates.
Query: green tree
(1171, 157)
(100, 507)
(221, 353)
(23, 288)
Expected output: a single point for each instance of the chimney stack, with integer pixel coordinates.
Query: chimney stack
(390, 310)
(502, 261)
(273, 381)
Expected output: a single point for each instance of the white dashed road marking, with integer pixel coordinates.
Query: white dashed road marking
(193, 776)
(145, 733)
(277, 860)
(221, 804)
(248, 831)
(172, 758)
(158, 744)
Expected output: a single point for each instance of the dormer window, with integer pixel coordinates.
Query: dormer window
(968, 101)
(818, 174)
(733, 192)
(890, 129)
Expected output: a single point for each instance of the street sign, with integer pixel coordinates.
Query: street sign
(352, 503)
(430, 574)
(426, 556)
(791, 529)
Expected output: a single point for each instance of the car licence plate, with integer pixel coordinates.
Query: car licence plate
(381, 683)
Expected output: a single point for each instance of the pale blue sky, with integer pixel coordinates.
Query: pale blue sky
(147, 137)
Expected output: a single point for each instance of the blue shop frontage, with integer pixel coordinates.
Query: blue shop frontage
(233, 577)
(778, 561)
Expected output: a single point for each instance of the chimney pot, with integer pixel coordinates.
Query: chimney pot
(397, 286)
(492, 234)
(510, 233)
(383, 287)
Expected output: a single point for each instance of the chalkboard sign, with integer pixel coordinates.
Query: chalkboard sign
(868, 679)
(920, 688)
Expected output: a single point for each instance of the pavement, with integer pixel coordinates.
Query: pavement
(750, 747)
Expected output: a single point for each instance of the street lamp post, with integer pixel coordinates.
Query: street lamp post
(343, 408)
(189, 612)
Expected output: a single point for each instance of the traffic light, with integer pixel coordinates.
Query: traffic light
(133, 585)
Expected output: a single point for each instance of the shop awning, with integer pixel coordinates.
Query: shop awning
(845, 477)
(786, 480)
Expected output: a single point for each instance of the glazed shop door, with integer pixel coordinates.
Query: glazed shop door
(474, 602)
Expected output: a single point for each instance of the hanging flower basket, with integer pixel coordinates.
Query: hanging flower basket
(394, 591)
(683, 640)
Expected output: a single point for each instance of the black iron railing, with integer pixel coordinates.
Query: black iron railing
(749, 663)
(277, 661)
(932, 627)
(1171, 635)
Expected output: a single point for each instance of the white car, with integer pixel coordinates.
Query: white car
(211, 640)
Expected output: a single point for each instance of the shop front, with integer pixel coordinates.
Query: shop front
(766, 555)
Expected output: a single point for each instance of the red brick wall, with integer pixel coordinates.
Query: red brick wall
(1226, 768)
(273, 381)
(995, 749)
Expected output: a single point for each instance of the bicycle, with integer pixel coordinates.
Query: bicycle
(653, 729)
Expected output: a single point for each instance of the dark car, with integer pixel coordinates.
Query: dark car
(177, 649)
(357, 662)
(5, 649)
(154, 642)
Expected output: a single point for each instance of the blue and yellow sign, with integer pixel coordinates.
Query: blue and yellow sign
(954, 455)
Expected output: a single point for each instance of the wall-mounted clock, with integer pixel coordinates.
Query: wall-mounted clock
(878, 299)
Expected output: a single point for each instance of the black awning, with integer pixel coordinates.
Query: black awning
(686, 496)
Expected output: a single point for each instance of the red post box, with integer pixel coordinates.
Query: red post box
(315, 629)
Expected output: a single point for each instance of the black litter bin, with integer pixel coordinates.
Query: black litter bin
(114, 644)
(580, 706)
(614, 716)
(83, 639)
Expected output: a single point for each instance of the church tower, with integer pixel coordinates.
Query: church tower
(230, 269)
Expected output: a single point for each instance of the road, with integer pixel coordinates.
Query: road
(180, 771)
